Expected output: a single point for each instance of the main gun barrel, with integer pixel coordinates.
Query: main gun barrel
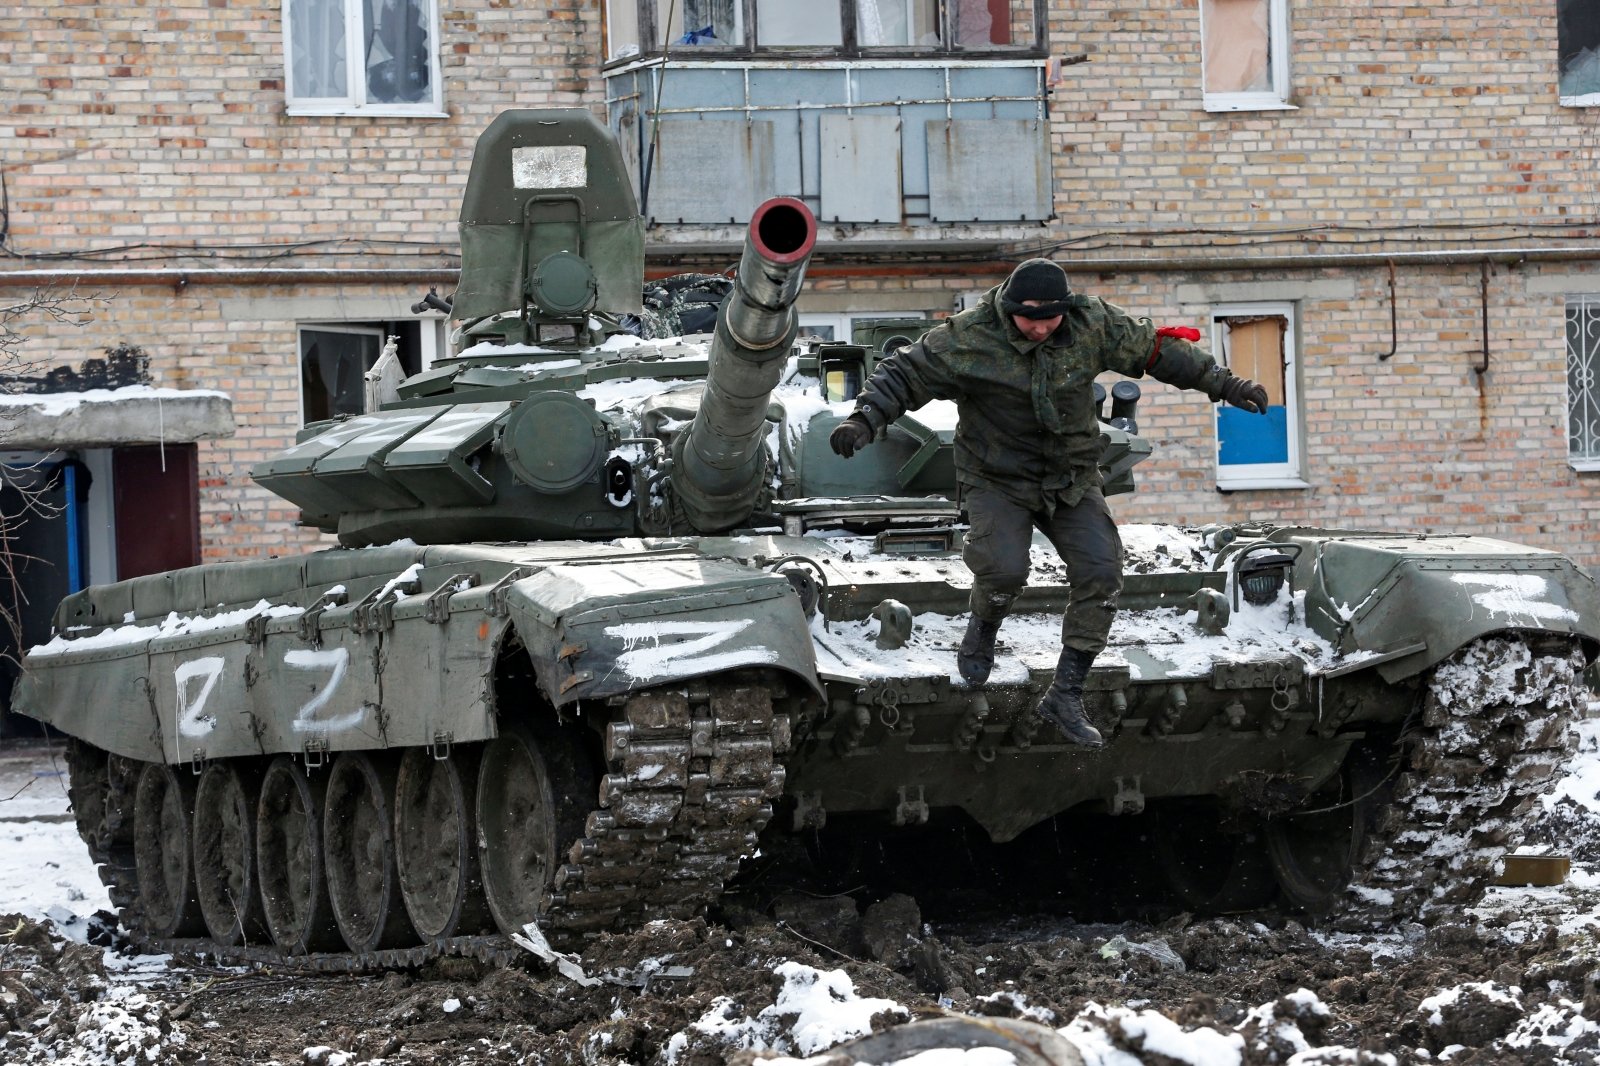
(719, 461)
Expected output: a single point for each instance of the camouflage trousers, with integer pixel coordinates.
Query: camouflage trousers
(1085, 536)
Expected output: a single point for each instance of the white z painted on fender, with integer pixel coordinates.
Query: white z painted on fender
(193, 721)
(666, 649)
(335, 661)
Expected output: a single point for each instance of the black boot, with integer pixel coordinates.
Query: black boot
(1062, 706)
(975, 658)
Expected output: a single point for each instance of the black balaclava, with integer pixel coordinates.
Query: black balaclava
(1036, 279)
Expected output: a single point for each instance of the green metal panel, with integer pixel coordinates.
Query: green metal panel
(355, 469)
(290, 473)
(103, 696)
(434, 465)
(933, 467)
(1376, 594)
(647, 622)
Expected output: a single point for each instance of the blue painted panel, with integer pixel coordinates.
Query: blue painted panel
(1246, 438)
(914, 145)
(785, 175)
(968, 82)
(899, 83)
(785, 86)
(700, 87)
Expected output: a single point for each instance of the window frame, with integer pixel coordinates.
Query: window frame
(843, 322)
(1573, 41)
(649, 30)
(354, 101)
(1580, 302)
(1273, 99)
(1289, 474)
(431, 343)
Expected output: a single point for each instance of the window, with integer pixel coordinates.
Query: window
(835, 26)
(871, 328)
(1254, 451)
(783, 23)
(335, 357)
(1583, 382)
(622, 29)
(393, 68)
(1244, 46)
(1578, 52)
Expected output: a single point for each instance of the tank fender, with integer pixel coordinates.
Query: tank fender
(1417, 608)
(594, 632)
(76, 701)
(403, 671)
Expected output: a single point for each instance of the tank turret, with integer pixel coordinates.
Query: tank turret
(506, 440)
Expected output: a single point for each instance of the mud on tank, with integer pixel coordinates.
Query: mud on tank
(607, 616)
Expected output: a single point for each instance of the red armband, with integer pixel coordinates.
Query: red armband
(1183, 333)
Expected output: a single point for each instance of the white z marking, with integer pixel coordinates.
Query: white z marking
(192, 720)
(336, 661)
(666, 649)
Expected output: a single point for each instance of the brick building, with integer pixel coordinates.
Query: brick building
(1385, 212)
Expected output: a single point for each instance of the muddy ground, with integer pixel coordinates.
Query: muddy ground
(662, 980)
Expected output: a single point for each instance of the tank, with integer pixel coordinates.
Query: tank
(608, 623)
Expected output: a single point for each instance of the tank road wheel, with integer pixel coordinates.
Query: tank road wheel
(1314, 851)
(294, 889)
(522, 821)
(1208, 868)
(163, 852)
(359, 853)
(1493, 733)
(436, 844)
(225, 853)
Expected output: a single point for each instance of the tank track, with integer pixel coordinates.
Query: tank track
(688, 789)
(1494, 733)
(689, 776)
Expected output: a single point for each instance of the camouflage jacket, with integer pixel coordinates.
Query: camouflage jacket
(1027, 425)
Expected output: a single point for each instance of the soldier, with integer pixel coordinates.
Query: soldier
(1020, 367)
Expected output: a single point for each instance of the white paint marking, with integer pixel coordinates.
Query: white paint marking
(336, 661)
(192, 720)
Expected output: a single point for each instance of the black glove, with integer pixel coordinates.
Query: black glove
(851, 434)
(1246, 394)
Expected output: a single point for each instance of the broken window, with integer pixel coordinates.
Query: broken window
(1578, 52)
(1244, 54)
(362, 56)
(1258, 451)
(1583, 382)
(701, 23)
(335, 357)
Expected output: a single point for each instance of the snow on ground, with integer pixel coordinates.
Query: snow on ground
(45, 875)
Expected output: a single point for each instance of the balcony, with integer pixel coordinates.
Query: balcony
(941, 153)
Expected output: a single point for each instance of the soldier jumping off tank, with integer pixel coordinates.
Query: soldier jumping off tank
(1020, 367)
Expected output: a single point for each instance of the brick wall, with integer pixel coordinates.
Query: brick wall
(132, 122)
(1414, 120)
(1426, 125)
